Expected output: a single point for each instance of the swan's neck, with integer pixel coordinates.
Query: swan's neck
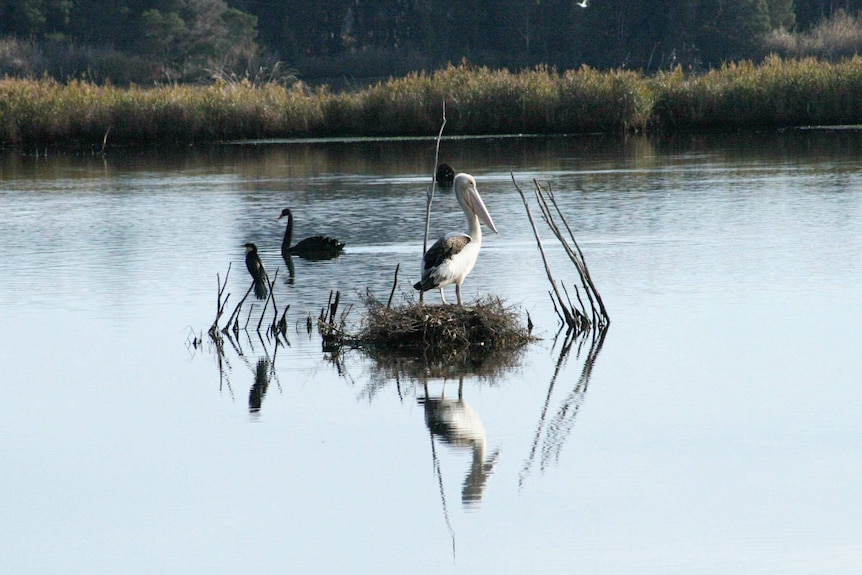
(288, 233)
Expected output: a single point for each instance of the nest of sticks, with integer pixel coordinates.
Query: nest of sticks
(444, 331)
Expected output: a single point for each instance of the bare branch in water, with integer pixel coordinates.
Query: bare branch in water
(570, 319)
(575, 254)
(575, 316)
(431, 192)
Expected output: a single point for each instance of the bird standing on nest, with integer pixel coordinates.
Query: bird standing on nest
(453, 256)
(257, 271)
(315, 247)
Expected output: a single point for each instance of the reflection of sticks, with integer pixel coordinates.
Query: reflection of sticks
(558, 429)
(564, 352)
(561, 425)
(223, 371)
(431, 193)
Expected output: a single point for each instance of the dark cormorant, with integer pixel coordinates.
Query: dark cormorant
(257, 271)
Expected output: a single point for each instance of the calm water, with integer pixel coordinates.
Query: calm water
(717, 430)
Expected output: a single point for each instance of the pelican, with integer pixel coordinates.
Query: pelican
(582, 3)
(458, 425)
(315, 247)
(257, 271)
(452, 257)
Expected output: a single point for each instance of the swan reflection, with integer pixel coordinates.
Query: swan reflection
(457, 425)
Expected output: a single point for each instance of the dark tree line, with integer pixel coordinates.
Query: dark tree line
(514, 33)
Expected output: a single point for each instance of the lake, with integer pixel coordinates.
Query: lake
(715, 430)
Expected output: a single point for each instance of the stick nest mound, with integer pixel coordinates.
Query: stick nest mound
(438, 331)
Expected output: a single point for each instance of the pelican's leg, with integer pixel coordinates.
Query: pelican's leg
(458, 293)
(442, 297)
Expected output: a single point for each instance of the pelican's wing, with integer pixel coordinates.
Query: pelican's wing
(445, 248)
(436, 264)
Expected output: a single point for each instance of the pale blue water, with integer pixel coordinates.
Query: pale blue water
(717, 432)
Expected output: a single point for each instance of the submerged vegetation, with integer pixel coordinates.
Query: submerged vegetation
(479, 100)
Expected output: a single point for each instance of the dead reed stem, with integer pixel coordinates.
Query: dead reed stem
(431, 194)
(575, 254)
(575, 317)
(568, 313)
(219, 304)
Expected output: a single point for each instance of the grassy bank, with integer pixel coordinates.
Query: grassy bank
(478, 101)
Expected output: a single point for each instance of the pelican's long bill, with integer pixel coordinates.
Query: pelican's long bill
(470, 198)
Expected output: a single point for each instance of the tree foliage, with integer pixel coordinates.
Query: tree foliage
(181, 35)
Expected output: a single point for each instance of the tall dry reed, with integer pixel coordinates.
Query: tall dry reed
(479, 100)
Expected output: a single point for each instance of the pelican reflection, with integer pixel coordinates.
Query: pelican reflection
(458, 425)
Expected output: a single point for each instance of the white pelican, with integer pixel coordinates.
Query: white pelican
(452, 257)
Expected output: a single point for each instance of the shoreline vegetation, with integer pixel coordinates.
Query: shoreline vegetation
(777, 92)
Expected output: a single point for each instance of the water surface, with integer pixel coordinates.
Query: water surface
(716, 431)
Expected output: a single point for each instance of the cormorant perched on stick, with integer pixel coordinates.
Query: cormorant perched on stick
(257, 271)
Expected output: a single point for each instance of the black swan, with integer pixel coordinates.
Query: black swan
(315, 247)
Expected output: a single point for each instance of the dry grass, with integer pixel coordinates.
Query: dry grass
(777, 92)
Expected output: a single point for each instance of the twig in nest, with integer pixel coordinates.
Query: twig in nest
(394, 285)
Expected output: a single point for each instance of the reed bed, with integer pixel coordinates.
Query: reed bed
(777, 92)
(47, 112)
